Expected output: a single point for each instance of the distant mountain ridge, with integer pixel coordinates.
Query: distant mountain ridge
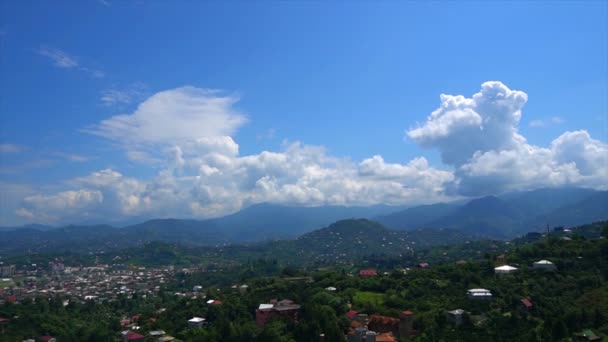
(507, 215)
(503, 216)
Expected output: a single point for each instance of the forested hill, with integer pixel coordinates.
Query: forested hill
(509, 215)
(495, 217)
(564, 302)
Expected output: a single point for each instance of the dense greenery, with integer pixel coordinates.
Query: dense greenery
(573, 298)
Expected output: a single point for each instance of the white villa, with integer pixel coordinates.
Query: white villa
(506, 269)
(544, 265)
(479, 294)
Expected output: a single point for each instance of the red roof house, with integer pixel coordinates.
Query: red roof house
(368, 273)
(527, 303)
(131, 336)
(351, 314)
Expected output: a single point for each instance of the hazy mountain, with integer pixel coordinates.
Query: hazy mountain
(507, 215)
(488, 216)
(540, 201)
(253, 224)
(346, 240)
(417, 217)
(590, 209)
(28, 226)
(271, 221)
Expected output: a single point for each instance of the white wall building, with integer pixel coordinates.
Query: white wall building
(506, 269)
(479, 294)
(544, 265)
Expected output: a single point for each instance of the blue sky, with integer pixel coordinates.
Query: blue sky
(356, 79)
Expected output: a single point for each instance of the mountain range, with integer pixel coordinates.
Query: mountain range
(507, 215)
(502, 217)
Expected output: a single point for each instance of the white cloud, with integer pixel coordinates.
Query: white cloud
(73, 157)
(174, 116)
(461, 126)
(112, 97)
(120, 97)
(53, 208)
(536, 123)
(11, 148)
(64, 60)
(186, 133)
(554, 120)
(60, 58)
(209, 179)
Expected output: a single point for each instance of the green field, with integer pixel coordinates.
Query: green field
(6, 283)
(363, 298)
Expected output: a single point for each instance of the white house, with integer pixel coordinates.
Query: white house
(479, 294)
(544, 265)
(455, 316)
(196, 322)
(506, 269)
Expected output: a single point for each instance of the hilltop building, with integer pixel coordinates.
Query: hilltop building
(544, 265)
(285, 308)
(506, 269)
(196, 322)
(479, 294)
(379, 328)
(368, 273)
(455, 317)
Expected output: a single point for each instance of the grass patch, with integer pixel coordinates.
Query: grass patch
(368, 298)
(6, 283)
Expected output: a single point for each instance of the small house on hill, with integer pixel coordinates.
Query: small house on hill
(196, 322)
(526, 304)
(506, 269)
(544, 265)
(479, 294)
(368, 273)
(455, 317)
(586, 336)
(131, 336)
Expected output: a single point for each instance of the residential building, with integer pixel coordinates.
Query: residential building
(526, 304)
(455, 317)
(285, 308)
(131, 336)
(243, 289)
(368, 273)
(544, 265)
(586, 335)
(196, 322)
(479, 294)
(506, 269)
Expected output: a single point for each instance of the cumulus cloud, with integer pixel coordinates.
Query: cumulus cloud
(462, 126)
(479, 137)
(209, 178)
(51, 208)
(186, 132)
(174, 116)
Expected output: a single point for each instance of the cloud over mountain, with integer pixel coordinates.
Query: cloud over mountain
(187, 133)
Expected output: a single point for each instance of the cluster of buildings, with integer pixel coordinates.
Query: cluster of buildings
(97, 283)
(377, 328)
